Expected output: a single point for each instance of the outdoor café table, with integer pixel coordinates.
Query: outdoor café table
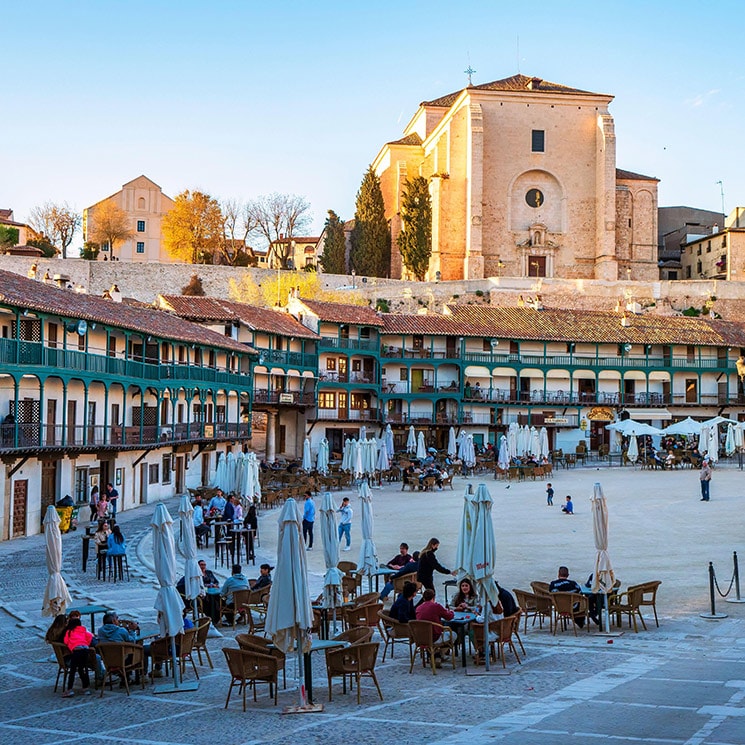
(211, 604)
(327, 613)
(600, 601)
(317, 644)
(90, 610)
(86, 547)
(460, 622)
(378, 573)
(615, 456)
(244, 535)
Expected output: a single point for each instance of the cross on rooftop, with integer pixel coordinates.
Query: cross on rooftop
(469, 71)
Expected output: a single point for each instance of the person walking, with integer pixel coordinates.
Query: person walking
(94, 503)
(705, 478)
(345, 522)
(549, 495)
(309, 517)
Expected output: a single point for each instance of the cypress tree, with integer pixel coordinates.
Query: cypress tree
(371, 237)
(334, 259)
(415, 239)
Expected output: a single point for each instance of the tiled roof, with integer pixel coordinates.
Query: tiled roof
(257, 319)
(299, 239)
(341, 313)
(21, 292)
(7, 214)
(631, 176)
(513, 83)
(411, 139)
(557, 324)
(431, 323)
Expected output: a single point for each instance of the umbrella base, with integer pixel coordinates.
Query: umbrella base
(713, 616)
(735, 600)
(471, 671)
(172, 688)
(305, 709)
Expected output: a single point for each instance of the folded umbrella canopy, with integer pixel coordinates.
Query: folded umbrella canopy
(56, 596)
(503, 457)
(193, 581)
(221, 473)
(322, 459)
(543, 437)
(633, 450)
(389, 441)
(330, 540)
(383, 464)
(452, 447)
(411, 440)
(307, 458)
(289, 616)
(368, 559)
(603, 576)
(729, 445)
(421, 448)
(464, 535)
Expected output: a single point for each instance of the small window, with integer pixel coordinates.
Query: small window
(153, 473)
(708, 247)
(538, 141)
(688, 272)
(364, 333)
(356, 365)
(326, 400)
(140, 247)
(166, 469)
(486, 345)
(418, 342)
(404, 374)
(104, 246)
(140, 226)
(331, 363)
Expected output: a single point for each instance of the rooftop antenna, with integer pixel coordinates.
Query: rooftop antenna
(518, 54)
(721, 191)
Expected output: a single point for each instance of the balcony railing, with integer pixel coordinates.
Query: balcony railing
(333, 342)
(30, 354)
(291, 398)
(22, 435)
(282, 357)
(605, 362)
(349, 415)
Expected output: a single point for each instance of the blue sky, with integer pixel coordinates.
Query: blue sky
(245, 98)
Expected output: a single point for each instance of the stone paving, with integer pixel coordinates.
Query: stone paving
(681, 683)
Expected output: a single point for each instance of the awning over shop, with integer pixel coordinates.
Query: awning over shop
(641, 414)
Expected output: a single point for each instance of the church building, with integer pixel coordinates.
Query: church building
(523, 182)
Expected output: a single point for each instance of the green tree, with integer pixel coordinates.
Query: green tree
(193, 229)
(8, 237)
(334, 259)
(371, 237)
(415, 239)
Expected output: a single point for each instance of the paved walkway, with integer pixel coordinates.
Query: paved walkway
(681, 683)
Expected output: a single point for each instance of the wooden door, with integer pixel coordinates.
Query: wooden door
(72, 412)
(20, 507)
(144, 477)
(50, 437)
(180, 474)
(48, 484)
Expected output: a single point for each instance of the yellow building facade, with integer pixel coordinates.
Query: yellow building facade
(523, 182)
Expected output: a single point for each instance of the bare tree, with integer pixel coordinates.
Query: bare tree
(238, 223)
(108, 224)
(280, 215)
(58, 223)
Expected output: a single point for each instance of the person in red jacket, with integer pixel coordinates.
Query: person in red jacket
(79, 641)
(430, 610)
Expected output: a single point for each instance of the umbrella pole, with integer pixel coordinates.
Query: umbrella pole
(301, 673)
(487, 614)
(174, 663)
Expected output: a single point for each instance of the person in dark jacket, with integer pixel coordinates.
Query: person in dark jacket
(410, 568)
(402, 609)
(428, 564)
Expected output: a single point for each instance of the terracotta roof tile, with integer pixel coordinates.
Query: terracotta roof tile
(341, 313)
(513, 83)
(433, 324)
(411, 139)
(18, 291)
(556, 324)
(255, 318)
(631, 176)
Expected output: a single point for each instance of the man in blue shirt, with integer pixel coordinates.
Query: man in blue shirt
(237, 581)
(218, 502)
(201, 529)
(309, 517)
(112, 631)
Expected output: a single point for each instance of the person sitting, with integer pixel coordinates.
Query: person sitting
(101, 536)
(208, 578)
(201, 529)
(507, 604)
(402, 609)
(228, 513)
(114, 630)
(563, 584)
(670, 460)
(401, 559)
(568, 508)
(466, 600)
(264, 579)
(217, 503)
(236, 581)
(430, 610)
(79, 641)
(411, 568)
(116, 549)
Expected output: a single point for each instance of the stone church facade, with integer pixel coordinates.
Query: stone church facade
(523, 182)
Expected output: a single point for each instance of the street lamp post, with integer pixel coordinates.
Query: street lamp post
(354, 279)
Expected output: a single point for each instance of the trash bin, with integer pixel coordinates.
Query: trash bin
(65, 517)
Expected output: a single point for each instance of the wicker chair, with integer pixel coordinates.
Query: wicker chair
(628, 603)
(160, 651)
(394, 631)
(649, 597)
(529, 603)
(569, 606)
(252, 642)
(62, 654)
(356, 635)
(423, 641)
(366, 599)
(121, 658)
(200, 641)
(363, 615)
(248, 667)
(357, 661)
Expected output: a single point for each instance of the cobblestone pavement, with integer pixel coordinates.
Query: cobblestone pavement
(681, 683)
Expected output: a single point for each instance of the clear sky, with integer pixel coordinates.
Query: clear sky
(245, 98)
